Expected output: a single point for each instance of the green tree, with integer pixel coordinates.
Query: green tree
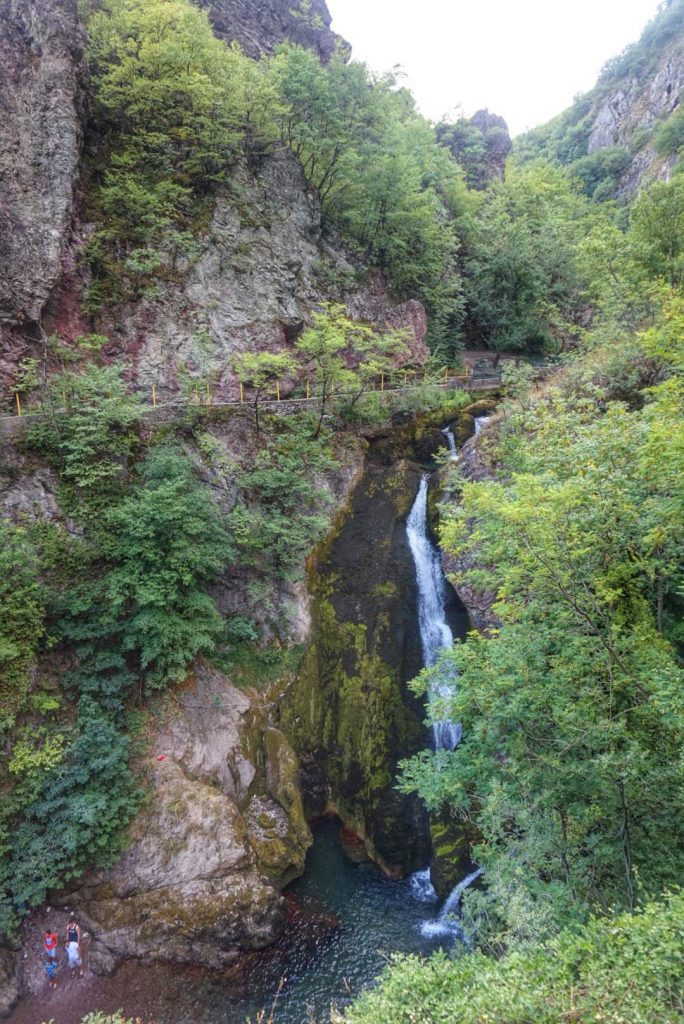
(657, 230)
(262, 369)
(166, 545)
(627, 968)
(570, 766)
(523, 289)
(344, 355)
(174, 108)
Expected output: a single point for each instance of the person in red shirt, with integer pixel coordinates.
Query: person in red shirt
(50, 943)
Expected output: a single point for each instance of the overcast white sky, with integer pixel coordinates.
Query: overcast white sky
(524, 59)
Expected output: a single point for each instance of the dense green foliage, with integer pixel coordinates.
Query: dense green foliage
(472, 146)
(282, 514)
(570, 771)
(21, 624)
(523, 287)
(384, 180)
(628, 970)
(173, 108)
(126, 608)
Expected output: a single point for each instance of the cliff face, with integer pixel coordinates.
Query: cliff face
(632, 110)
(223, 830)
(40, 142)
(259, 27)
(264, 264)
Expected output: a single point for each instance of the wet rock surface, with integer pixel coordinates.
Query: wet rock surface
(350, 714)
(474, 466)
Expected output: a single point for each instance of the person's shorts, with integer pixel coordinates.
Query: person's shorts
(74, 958)
(52, 953)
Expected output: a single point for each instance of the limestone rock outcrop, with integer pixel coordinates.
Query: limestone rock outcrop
(259, 27)
(635, 107)
(40, 143)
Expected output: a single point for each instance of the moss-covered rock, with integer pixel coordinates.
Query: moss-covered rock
(450, 862)
(483, 407)
(349, 714)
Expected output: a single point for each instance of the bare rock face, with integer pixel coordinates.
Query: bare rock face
(40, 141)
(224, 828)
(636, 106)
(265, 265)
(259, 27)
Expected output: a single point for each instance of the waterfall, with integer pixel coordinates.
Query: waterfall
(480, 422)
(434, 629)
(451, 442)
(446, 923)
(435, 635)
(421, 887)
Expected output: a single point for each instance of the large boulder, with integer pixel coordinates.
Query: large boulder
(222, 829)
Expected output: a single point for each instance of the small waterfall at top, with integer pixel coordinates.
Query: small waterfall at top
(422, 888)
(446, 923)
(480, 422)
(451, 442)
(435, 633)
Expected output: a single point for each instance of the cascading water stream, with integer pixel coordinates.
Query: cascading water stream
(447, 922)
(451, 442)
(435, 633)
(480, 422)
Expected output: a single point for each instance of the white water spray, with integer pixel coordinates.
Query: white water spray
(435, 635)
(451, 442)
(422, 889)
(447, 922)
(480, 422)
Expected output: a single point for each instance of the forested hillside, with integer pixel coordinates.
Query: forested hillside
(194, 664)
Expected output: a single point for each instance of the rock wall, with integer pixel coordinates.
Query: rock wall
(265, 263)
(40, 143)
(349, 714)
(637, 105)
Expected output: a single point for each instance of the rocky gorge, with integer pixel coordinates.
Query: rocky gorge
(236, 776)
